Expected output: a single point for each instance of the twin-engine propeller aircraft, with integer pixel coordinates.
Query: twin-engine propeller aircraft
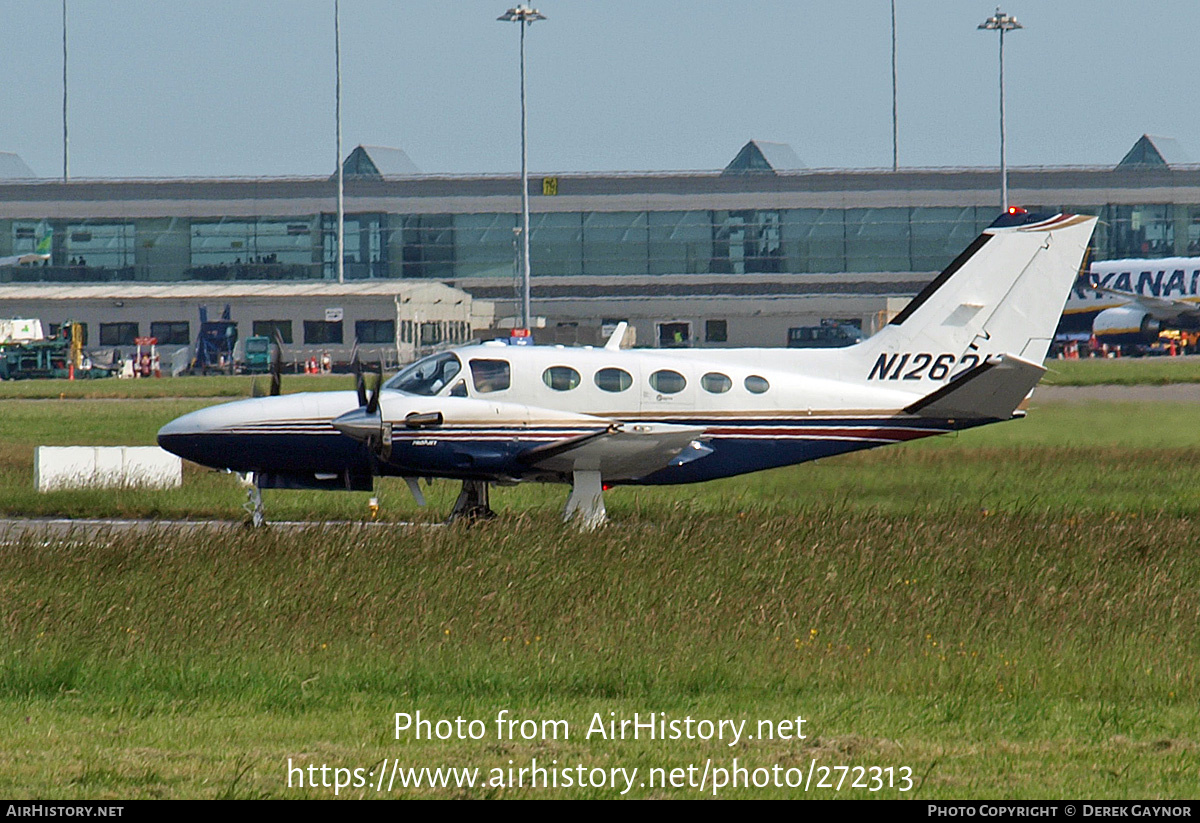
(966, 351)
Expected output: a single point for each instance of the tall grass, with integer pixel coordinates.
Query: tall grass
(1036, 638)
(674, 605)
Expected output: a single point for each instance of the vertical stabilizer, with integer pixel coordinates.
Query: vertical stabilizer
(1003, 295)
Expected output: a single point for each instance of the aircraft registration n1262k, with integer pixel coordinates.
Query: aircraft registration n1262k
(966, 351)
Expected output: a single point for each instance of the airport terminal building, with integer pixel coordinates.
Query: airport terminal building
(740, 256)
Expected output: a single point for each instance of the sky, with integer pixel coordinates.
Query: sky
(215, 88)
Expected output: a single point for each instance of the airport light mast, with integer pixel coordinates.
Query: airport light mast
(66, 155)
(340, 264)
(895, 128)
(525, 16)
(1002, 22)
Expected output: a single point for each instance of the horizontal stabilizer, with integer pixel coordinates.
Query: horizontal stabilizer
(992, 390)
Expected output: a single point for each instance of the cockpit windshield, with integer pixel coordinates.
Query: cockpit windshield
(427, 376)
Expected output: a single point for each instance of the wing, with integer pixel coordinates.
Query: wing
(566, 441)
(624, 451)
(1160, 307)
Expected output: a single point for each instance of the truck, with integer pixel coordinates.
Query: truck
(258, 355)
(24, 357)
(20, 330)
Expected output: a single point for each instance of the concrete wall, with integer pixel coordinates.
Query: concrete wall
(73, 467)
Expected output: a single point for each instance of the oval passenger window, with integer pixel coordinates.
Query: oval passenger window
(716, 383)
(613, 380)
(561, 378)
(756, 384)
(667, 381)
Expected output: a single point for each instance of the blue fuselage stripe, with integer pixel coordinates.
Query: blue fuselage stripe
(739, 446)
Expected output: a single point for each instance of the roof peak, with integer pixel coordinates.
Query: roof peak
(1151, 151)
(764, 156)
(378, 162)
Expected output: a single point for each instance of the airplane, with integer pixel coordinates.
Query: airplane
(39, 255)
(1130, 302)
(966, 351)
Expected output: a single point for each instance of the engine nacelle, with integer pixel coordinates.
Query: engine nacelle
(1126, 325)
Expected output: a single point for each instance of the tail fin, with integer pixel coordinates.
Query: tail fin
(1003, 295)
(43, 247)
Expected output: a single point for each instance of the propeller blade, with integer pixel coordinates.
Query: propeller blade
(277, 365)
(373, 401)
(360, 385)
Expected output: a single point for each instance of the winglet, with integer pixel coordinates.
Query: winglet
(618, 335)
(993, 390)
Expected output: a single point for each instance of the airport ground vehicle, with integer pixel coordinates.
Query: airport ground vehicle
(59, 356)
(258, 355)
(34, 359)
(825, 336)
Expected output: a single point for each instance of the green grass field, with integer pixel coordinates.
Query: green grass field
(1125, 371)
(165, 387)
(1011, 613)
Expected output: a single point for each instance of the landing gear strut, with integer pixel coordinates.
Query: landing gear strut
(472, 503)
(254, 501)
(586, 503)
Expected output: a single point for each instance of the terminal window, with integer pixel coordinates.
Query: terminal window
(431, 334)
(375, 331)
(103, 245)
(716, 331)
(171, 333)
(267, 328)
(118, 334)
(322, 332)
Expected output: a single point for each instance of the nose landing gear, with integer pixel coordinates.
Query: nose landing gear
(254, 501)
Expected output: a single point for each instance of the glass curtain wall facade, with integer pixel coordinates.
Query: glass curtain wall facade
(611, 244)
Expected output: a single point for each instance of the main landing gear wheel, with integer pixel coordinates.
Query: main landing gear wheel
(472, 503)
